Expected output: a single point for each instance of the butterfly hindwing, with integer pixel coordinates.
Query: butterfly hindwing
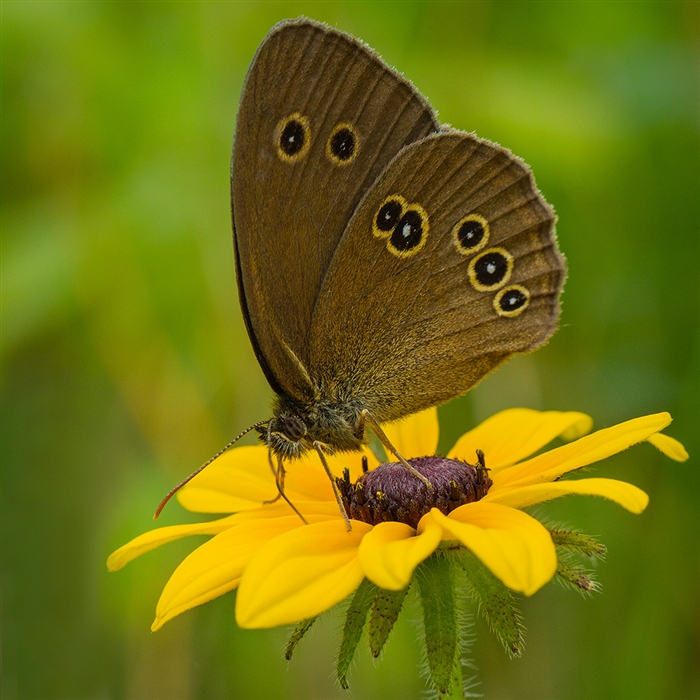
(320, 118)
(448, 267)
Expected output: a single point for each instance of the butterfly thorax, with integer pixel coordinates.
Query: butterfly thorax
(295, 427)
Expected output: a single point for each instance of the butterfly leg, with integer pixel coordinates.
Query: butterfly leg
(367, 416)
(336, 493)
(279, 482)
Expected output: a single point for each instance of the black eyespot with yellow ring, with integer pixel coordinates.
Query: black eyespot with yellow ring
(491, 269)
(511, 301)
(293, 137)
(343, 144)
(388, 215)
(410, 233)
(471, 234)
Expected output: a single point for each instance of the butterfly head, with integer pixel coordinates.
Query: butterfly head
(286, 435)
(296, 428)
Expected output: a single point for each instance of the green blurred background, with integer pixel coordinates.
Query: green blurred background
(126, 364)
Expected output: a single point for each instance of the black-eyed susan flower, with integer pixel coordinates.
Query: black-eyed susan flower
(287, 571)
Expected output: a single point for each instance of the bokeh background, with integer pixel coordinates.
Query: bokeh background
(126, 363)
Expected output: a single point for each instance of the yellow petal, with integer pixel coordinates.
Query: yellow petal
(300, 574)
(513, 545)
(281, 509)
(210, 500)
(627, 495)
(241, 479)
(592, 448)
(391, 551)
(162, 535)
(216, 567)
(517, 433)
(669, 446)
(416, 435)
(307, 479)
(237, 480)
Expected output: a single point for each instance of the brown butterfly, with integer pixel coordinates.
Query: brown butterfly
(386, 263)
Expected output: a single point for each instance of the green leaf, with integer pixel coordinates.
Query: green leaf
(495, 602)
(297, 635)
(579, 543)
(464, 686)
(575, 576)
(355, 619)
(385, 612)
(437, 592)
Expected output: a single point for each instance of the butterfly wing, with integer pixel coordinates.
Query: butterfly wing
(448, 267)
(320, 118)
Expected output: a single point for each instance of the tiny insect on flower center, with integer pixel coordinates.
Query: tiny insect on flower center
(391, 492)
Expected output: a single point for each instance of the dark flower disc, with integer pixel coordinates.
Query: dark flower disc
(391, 492)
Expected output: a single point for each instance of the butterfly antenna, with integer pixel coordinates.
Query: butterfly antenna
(173, 491)
(269, 450)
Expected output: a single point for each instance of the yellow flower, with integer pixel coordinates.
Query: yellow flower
(287, 571)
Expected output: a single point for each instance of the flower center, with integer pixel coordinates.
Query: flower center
(391, 492)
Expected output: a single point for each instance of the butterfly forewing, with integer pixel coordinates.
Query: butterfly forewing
(413, 314)
(320, 118)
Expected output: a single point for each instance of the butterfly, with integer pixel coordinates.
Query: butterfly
(385, 263)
